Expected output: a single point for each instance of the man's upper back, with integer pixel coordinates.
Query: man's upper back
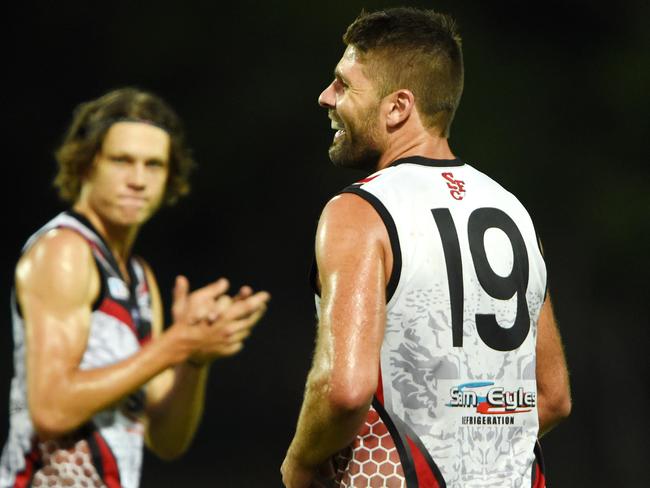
(468, 282)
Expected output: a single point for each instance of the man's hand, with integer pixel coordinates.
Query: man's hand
(209, 324)
(202, 305)
(296, 476)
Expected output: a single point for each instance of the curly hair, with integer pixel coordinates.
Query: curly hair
(91, 122)
(419, 50)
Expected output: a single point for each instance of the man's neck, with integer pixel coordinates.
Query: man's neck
(425, 145)
(119, 239)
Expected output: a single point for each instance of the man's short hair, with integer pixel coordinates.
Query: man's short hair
(418, 50)
(92, 120)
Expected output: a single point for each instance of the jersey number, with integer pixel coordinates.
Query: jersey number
(499, 287)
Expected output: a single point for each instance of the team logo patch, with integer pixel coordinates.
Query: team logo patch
(456, 187)
(486, 399)
(117, 288)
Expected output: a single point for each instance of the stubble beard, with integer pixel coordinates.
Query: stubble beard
(358, 148)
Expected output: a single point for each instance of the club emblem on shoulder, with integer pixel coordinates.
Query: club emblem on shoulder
(118, 288)
(457, 187)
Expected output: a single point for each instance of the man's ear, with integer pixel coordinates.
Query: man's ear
(400, 105)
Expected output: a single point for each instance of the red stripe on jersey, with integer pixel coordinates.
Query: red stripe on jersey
(145, 340)
(369, 178)
(95, 247)
(109, 464)
(114, 309)
(24, 478)
(422, 469)
(380, 388)
(145, 286)
(540, 480)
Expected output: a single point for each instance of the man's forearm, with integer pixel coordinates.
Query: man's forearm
(323, 427)
(550, 413)
(60, 407)
(173, 420)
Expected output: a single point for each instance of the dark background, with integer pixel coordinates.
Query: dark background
(555, 108)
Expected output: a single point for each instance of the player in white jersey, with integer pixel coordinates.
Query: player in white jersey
(95, 375)
(438, 362)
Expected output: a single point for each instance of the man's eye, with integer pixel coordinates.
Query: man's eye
(156, 163)
(119, 159)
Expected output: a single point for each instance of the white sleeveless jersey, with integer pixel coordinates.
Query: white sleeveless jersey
(107, 451)
(456, 403)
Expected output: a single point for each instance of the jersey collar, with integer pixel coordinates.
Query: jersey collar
(439, 163)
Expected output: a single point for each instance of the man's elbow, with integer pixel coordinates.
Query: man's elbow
(558, 407)
(350, 398)
(166, 446)
(343, 394)
(563, 407)
(168, 453)
(52, 422)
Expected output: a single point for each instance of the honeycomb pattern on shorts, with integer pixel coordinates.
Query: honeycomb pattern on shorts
(66, 465)
(373, 461)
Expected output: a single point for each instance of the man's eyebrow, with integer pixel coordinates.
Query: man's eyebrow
(338, 75)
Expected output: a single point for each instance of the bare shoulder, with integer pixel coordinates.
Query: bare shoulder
(350, 208)
(59, 264)
(349, 216)
(349, 228)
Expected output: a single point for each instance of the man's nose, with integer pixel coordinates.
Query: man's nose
(327, 97)
(137, 176)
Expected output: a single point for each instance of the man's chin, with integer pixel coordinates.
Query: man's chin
(342, 157)
(131, 217)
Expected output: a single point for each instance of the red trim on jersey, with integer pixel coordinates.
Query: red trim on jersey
(24, 478)
(114, 309)
(380, 388)
(145, 340)
(95, 246)
(422, 469)
(366, 180)
(144, 285)
(540, 480)
(109, 464)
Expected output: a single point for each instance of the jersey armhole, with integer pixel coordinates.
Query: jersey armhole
(541, 251)
(139, 271)
(102, 283)
(389, 223)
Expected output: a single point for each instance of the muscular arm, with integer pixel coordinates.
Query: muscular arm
(57, 282)
(553, 391)
(174, 398)
(351, 247)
